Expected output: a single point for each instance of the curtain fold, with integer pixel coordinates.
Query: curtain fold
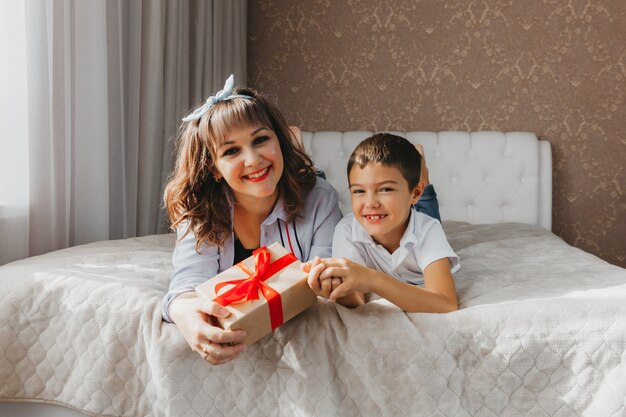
(108, 83)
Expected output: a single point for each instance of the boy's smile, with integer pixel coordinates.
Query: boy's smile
(375, 218)
(381, 202)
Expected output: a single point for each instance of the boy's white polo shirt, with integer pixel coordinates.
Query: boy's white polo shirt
(423, 242)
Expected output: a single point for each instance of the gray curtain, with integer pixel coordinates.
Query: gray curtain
(108, 82)
(171, 55)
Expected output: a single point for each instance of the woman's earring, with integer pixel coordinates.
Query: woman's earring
(218, 179)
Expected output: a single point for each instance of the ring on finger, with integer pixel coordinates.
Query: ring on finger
(205, 350)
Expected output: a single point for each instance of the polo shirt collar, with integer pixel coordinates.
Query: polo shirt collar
(359, 234)
(409, 236)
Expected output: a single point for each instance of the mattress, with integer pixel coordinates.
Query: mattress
(541, 331)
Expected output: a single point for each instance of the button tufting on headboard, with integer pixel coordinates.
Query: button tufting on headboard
(480, 177)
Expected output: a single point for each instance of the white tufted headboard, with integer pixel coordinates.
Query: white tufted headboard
(480, 177)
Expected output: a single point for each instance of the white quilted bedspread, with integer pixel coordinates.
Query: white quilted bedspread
(541, 331)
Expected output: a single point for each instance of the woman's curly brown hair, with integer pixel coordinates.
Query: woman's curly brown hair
(192, 193)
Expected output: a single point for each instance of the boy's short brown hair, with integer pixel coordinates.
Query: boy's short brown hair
(389, 150)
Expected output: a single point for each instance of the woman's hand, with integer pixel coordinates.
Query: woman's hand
(326, 279)
(353, 277)
(193, 317)
(321, 287)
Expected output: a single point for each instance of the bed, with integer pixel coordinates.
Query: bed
(541, 330)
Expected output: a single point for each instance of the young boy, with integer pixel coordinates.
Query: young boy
(385, 246)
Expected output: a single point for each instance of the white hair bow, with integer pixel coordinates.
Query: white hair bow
(225, 94)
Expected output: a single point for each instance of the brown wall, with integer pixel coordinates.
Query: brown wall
(554, 67)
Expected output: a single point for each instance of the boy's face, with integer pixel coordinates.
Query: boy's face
(381, 202)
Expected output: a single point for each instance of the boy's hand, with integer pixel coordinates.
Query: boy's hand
(353, 276)
(320, 286)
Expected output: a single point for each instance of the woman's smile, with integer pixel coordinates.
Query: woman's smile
(259, 175)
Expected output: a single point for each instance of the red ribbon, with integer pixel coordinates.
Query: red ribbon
(248, 288)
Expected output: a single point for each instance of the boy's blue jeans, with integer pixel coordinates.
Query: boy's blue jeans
(428, 203)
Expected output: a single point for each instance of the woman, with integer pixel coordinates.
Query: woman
(240, 182)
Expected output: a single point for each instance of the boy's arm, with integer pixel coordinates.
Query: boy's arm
(437, 296)
(351, 300)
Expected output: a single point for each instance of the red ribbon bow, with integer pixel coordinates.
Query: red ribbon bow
(248, 288)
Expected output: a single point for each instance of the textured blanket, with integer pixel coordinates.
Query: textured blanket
(541, 331)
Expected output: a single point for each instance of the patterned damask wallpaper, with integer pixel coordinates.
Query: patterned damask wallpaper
(554, 67)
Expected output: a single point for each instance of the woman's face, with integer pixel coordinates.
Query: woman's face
(249, 159)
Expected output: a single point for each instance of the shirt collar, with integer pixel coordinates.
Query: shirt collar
(409, 234)
(278, 212)
(359, 234)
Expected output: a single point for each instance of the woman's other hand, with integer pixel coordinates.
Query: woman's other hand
(194, 317)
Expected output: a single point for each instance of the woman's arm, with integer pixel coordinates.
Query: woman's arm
(190, 267)
(195, 317)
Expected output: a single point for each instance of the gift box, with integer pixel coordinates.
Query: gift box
(261, 292)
